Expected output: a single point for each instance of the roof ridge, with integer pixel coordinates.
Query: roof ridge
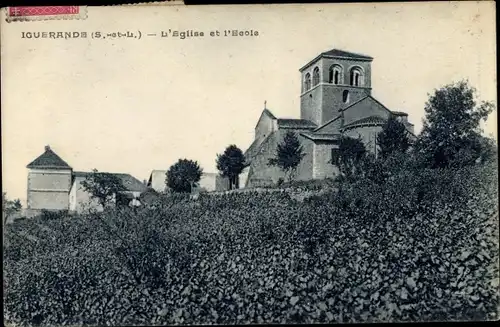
(357, 54)
(48, 159)
(326, 123)
(356, 102)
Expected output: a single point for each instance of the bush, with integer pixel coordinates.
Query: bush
(53, 214)
(419, 247)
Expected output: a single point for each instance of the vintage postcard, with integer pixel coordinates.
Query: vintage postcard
(249, 164)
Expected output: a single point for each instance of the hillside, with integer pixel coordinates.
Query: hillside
(416, 248)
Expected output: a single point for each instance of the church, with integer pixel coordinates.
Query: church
(335, 99)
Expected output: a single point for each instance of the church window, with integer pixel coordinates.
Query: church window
(345, 96)
(316, 76)
(356, 76)
(335, 76)
(307, 82)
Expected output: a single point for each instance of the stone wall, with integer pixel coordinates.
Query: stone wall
(322, 156)
(365, 108)
(261, 174)
(49, 188)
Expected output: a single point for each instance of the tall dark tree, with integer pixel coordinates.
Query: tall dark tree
(393, 137)
(230, 164)
(104, 187)
(451, 134)
(289, 153)
(349, 156)
(183, 176)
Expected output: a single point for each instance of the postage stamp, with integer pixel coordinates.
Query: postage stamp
(23, 14)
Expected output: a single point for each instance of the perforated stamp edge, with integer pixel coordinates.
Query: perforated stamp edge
(38, 13)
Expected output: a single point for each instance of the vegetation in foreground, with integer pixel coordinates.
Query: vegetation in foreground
(429, 253)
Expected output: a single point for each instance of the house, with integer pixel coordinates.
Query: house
(209, 182)
(53, 185)
(336, 99)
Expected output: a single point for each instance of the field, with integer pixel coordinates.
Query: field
(416, 248)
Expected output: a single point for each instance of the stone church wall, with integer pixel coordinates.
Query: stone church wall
(264, 175)
(365, 108)
(368, 135)
(333, 99)
(322, 156)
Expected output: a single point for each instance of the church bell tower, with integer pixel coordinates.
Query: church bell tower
(331, 82)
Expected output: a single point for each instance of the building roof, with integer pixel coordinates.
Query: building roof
(321, 136)
(296, 123)
(372, 120)
(48, 159)
(400, 113)
(267, 111)
(345, 54)
(131, 183)
(253, 148)
(337, 53)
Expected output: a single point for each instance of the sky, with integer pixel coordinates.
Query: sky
(132, 106)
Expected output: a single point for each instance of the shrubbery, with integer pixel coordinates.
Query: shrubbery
(418, 247)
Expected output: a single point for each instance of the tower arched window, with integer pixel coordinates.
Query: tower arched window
(356, 77)
(345, 96)
(315, 76)
(307, 82)
(335, 76)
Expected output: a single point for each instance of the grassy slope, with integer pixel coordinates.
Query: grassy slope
(415, 249)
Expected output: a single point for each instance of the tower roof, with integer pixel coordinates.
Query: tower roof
(48, 159)
(341, 54)
(345, 54)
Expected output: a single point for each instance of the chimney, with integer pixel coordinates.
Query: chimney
(47, 148)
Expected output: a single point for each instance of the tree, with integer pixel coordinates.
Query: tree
(289, 153)
(183, 175)
(103, 187)
(350, 156)
(393, 137)
(9, 207)
(451, 133)
(230, 164)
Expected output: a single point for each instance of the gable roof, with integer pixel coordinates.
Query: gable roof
(322, 136)
(296, 123)
(266, 112)
(327, 123)
(338, 53)
(251, 149)
(371, 120)
(269, 113)
(131, 183)
(48, 159)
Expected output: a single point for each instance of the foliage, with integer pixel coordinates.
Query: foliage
(420, 247)
(393, 137)
(451, 134)
(9, 207)
(288, 155)
(230, 164)
(350, 156)
(183, 175)
(102, 186)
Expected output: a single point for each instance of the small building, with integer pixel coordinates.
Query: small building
(209, 182)
(79, 199)
(53, 185)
